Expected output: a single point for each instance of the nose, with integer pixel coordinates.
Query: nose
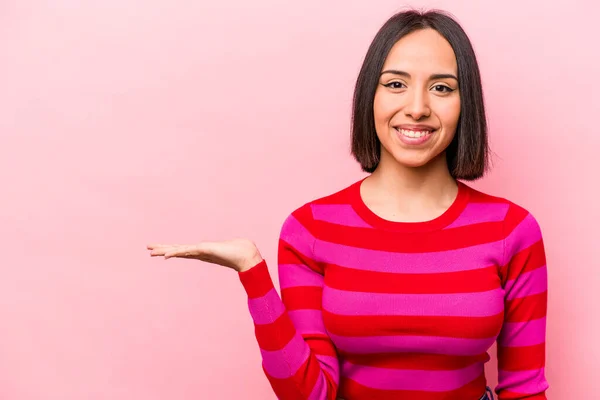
(418, 105)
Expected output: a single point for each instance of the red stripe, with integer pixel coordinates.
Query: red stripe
(392, 325)
(526, 260)
(302, 297)
(276, 335)
(514, 216)
(420, 361)
(292, 388)
(508, 395)
(288, 255)
(332, 387)
(476, 280)
(350, 389)
(475, 196)
(320, 344)
(521, 358)
(257, 280)
(526, 308)
(302, 383)
(413, 242)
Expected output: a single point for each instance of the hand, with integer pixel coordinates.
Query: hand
(238, 254)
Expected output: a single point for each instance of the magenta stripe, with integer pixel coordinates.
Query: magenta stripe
(478, 304)
(297, 236)
(408, 379)
(527, 284)
(293, 275)
(331, 365)
(476, 213)
(524, 235)
(307, 321)
(410, 344)
(525, 382)
(469, 258)
(527, 333)
(319, 391)
(281, 364)
(266, 309)
(339, 214)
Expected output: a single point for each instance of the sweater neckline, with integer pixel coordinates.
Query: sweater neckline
(443, 220)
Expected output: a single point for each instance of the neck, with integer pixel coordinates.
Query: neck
(432, 178)
(412, 192)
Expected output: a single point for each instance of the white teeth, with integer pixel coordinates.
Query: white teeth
(413, 134)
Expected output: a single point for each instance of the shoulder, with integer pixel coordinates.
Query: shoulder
(512, 212)
(332, 202)
(520, 229)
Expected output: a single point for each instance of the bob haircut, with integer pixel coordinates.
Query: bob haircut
(468, 153)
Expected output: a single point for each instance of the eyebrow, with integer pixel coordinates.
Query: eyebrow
(406, 74)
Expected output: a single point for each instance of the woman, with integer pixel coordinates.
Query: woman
(396, 286)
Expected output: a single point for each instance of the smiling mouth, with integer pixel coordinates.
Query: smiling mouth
(414, 133)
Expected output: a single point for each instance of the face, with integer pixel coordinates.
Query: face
(417, 102)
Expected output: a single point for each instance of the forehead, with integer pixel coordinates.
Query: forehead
(422, 50)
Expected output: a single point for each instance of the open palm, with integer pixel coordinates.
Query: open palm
(238, 254)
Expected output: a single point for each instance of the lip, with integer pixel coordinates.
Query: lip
(413, 127)
(415, 141)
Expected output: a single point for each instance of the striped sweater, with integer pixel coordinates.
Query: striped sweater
(375, 309)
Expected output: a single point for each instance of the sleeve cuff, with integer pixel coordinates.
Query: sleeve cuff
(256, 281)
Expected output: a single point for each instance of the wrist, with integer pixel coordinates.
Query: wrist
(250, 263)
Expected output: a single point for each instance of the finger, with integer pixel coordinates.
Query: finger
(188, 257)
(161, 251)
(187, 251)
(155, 246)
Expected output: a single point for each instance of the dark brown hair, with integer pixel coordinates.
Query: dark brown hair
(468, 153)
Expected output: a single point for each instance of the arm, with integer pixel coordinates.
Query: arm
(299, 358)
(522, 343)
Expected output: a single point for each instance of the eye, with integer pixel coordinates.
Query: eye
(394, 85)
(443, 89)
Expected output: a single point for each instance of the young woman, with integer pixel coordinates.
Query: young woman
(396, 286)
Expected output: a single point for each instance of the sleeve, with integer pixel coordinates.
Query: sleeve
(522, 340)
(298, 357)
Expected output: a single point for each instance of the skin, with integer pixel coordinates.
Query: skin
(237, 254)
(411, 183)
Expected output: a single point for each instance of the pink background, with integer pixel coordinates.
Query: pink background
(125, 122)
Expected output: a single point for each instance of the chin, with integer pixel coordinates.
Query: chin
(412, 164)
(411, 158)
(416, 161)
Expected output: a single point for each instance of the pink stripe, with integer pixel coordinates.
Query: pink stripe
(339, 214)
(527, 333)
(331, 365)
(479, 304)
(266, 309)
(525, 382)
(476, 213)
(407, 379)
(319, 391)
(410, 344)
(527, 284)
(524, 235)
(469, 258)
(297, 236)
(307, 321)
(282, 364)
(292, 275)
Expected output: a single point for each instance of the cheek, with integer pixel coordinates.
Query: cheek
(383, 108)
(449, 114)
